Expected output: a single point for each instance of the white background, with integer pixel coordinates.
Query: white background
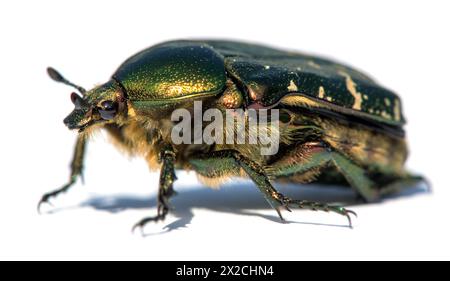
(404, 45)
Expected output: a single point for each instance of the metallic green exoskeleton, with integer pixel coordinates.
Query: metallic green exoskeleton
(336, 124)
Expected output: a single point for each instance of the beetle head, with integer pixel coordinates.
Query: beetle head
(101, 105)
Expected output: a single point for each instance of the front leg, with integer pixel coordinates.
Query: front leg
(76, 171)
(165, 191)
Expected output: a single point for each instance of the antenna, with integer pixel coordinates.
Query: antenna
(56, 76)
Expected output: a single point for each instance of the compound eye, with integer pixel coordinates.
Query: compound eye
(108, 109)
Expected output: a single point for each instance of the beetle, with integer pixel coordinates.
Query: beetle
(337, 125)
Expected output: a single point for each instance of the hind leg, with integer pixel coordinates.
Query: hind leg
(308, 159)
(402, 184)
(356, 177)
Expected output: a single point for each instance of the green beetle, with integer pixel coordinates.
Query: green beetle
(336, 125)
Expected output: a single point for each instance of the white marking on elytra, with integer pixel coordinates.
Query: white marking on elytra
(321, 92)
(351, 87)
(386, 115)
(313, 64)
(292, 87)
(397, 113)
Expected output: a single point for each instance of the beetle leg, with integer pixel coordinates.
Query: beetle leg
(356, 177)
(404, 183)
(316, 206)
(218, 163)
(309, 158)
(76, 171)
(230, 162)
(165, 191)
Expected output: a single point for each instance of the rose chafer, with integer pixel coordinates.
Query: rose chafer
(337, 125)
